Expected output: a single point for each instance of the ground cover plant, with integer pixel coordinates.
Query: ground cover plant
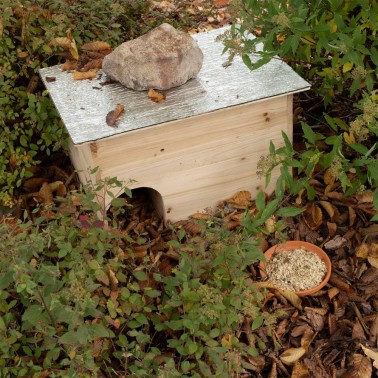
(82, 296)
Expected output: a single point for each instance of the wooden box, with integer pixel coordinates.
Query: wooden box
(201, 145)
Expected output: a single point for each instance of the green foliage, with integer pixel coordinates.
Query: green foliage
(346, 158)
(331, 43)
(72, 305)
(30, 128)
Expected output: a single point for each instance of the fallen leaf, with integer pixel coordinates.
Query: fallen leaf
(72, 47)
(293, 298)
(96, 46)
(69, 65)
(113, 116)
(50, 79)
(199, 216)
(190, 226)
(371, 354)
(328, 207)
(63, 42)
(241, 199)
(360, 367)
(318, 310)
(292, 355)
(84, 75)
(335, 243)
(45, 193)
(95, 64)
(340, 284)
(299, 371)
(113, 279)
(156, 96)
(307, 338)
(313, 216)
(365, 197)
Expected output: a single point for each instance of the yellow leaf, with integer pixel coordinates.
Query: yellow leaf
(349, 138)
(78, 75)
(61, 42)
(72, 47)
(72, 354)
(347, 67)
(307, 39)
(293, 298)
(373, 261)
(227, 341)
(332, 24)
(156, 96)
(290, 356)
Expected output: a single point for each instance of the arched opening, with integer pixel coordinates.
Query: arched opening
(151, 199)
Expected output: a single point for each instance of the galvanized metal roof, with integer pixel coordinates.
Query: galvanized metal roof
(84, 104)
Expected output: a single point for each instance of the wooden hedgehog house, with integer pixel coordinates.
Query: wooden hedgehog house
(198, 147)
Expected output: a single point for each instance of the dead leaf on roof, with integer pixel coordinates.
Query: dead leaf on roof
(77, 75)
(156, 96)
(69, 65)
(113, 116)
(96, 46)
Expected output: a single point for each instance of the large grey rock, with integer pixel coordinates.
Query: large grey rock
(161, 59)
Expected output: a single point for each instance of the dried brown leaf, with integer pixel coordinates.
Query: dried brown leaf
(77, 75)
(313, 216)
(293, 298)
(63, 42)
(33, 184)
(332, 292)
(352, 216)
(328, 177)
(332, 228)
(371, 354)
(113, 279)
(299, 330)
(92, 65)
(191, 227)
(199, 216)
(332, 324)
(318, 310)
(299, 371)
(241, 199)
(360, 367)
(307, 338)
(113, 116)
(335, 243)
(156, 96)
(72, 47)
(292, 355)
(365, 197)
(358, 331)
(340, 284)
(69, 65)
(96, 46)
(328, 207)
(45, 194)
(282, 327)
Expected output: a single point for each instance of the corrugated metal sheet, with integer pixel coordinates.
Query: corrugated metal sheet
(83, 105)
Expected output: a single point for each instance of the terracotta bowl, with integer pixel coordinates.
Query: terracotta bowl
(292, 245)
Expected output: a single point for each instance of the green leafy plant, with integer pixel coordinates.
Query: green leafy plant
(74, 303)
(331, 43)
(347, 158)
(30, 128)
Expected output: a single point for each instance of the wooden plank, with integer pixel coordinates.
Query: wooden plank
(196, 162)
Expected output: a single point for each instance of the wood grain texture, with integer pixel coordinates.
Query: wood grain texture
(196, 162)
